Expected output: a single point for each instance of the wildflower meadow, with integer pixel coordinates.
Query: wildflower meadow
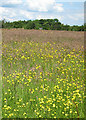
(42, 78)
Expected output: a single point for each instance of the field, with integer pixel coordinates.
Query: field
(43, 74)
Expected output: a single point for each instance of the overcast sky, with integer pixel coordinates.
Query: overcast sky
(67, 12)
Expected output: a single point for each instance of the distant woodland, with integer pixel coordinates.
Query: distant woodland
(42, 24)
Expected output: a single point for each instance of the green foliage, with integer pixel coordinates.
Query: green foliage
(46, 24)
(30, 25)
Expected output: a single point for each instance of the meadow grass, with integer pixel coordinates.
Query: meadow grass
(42, 80)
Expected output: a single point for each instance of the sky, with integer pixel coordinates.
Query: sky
(71, 13)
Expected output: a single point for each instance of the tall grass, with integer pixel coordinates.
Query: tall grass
(42, 80)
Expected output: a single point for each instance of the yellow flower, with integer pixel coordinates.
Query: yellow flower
(29, 80)
(75, 111)
(45, 97)
(4, 98)
(49, 109)
(39, 115)
(24, 113)
(66, 114)
(11, 114)
(54, 116)
(5, 105)
(62, 112)
(53, 105)
(70, 111)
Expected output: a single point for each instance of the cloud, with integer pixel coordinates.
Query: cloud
(44, 5)
(10, 2)
(18, 14)
(30, 9)
(76, 17)
(26, 14)
(71, 0)
(9, 12)
(37, 9)
(58, 7)
(40, 5)
(48, 16)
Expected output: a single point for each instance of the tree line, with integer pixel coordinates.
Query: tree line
(45, 24)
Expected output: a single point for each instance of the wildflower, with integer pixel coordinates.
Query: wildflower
(53, 105)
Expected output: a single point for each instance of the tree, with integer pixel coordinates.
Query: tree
(3, 23)
(46, 24)
(30, 25)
